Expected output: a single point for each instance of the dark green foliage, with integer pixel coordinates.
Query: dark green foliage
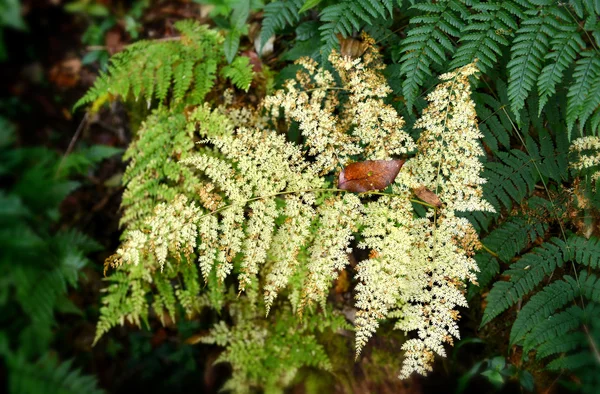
(343, 18)
(488, 29)
(348, 16)
(428, 42)
(38, 265)
(279, 15)
(543, 324)
(47, 376)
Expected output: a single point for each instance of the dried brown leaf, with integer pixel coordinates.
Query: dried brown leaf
(369, 175)
(428, 196)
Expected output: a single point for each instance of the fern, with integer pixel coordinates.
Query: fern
(487, 30)
(587, 70)
(513, 235)
(239, 72)
(154, 176)
(38, 263)
(525, 275)
(47, 376)
(278, 15)
(533, 267)
(565, 46)
(268, 353)
(348, 16)
(542, 305)
(429, 42)
(528, 50)
(554, 327)
(149, 70)
(510, 179)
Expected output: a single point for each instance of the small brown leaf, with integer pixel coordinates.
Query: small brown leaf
(369, 175)
(428, 196)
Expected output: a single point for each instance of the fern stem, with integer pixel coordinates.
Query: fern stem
(489, 250)
(325, 189)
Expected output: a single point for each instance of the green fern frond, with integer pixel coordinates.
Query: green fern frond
(153, 174)
(429, 42)
(573, 362)
(584, 251)
(564, 343)
(348, 16)
(527, 273)
(512, 178)
(586, 72)
(542, 305)
(182, 69)
(239, 72)
(488, 29)
(488, 268)
(188, 295)
(528, 51)
(552, 155)
(278, 15)
(583, 7)
(495, 124)
(555, 326)
(566, 45)
(117, 302)
(514, 235)
(165, 298)
(536, 265)
(47, 376)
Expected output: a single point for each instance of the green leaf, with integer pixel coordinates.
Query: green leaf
(240, 13)
(10, 14)
(308, 4)
(526, 381)
(494, 377)
(231, 45)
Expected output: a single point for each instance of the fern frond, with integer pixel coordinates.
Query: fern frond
(188, 294)
(47, 376)
(554, 327)
(536, 265)
(528, 51)
(583, 7)
(495, 124)
(552, 154)
(566, 45)
(542, 305)
(514, 235)
(488, 267)
(561, 344)
(487, 30)
(239, 72)
(573, 362)
(183, 69)
(278, 15)
(165, 298)
(580, 104)
(512, 178)
(428, 42)
(348, 16)
(122, 300)
(527, 273)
